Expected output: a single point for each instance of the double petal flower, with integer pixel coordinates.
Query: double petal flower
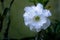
(36, 17)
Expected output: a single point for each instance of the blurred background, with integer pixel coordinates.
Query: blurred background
(17, 29)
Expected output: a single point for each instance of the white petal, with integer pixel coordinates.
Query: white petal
(39, 5)
(27, 18)
(39, 8)
(29, 9)
(31, 12)
(36, 25)
(35, 28)
(31, 27)
(42, 20)
(27, 21)
(46, 25)
(29, 15)
(46, 13)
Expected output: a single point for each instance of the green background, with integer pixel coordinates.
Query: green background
(17, 28)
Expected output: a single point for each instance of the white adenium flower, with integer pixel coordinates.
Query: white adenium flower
(35, 17)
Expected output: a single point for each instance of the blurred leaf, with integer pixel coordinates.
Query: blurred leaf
(2, 18)
(34, 1)
(41, 35)
(28, 38)
(50, 28)
(31, 0)
(58, 27)
(57, 36)
(5, 12)
(2, 0)
(11, 3)
(44, 2)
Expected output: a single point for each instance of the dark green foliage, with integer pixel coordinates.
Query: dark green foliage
(44, 2)
(2, 1)
(9, 21)
(5, 12)
(33, 1)
(51, 33)
(58, 27)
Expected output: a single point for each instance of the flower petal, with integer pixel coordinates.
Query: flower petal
(39, 5)
(33, 11)
(46, 13)
(35, 27)
(27, 18)
(46, 25)
(39, 8)
(29, 9)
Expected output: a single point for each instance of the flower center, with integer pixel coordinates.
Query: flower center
(37, 18)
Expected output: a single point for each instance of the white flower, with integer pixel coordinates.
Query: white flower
(35, 17)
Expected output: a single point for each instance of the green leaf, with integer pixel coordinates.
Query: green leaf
(58, 28)
(34, 1)
(44, 2)
(31, 0)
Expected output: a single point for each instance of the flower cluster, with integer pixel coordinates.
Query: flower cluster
(35, 17)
